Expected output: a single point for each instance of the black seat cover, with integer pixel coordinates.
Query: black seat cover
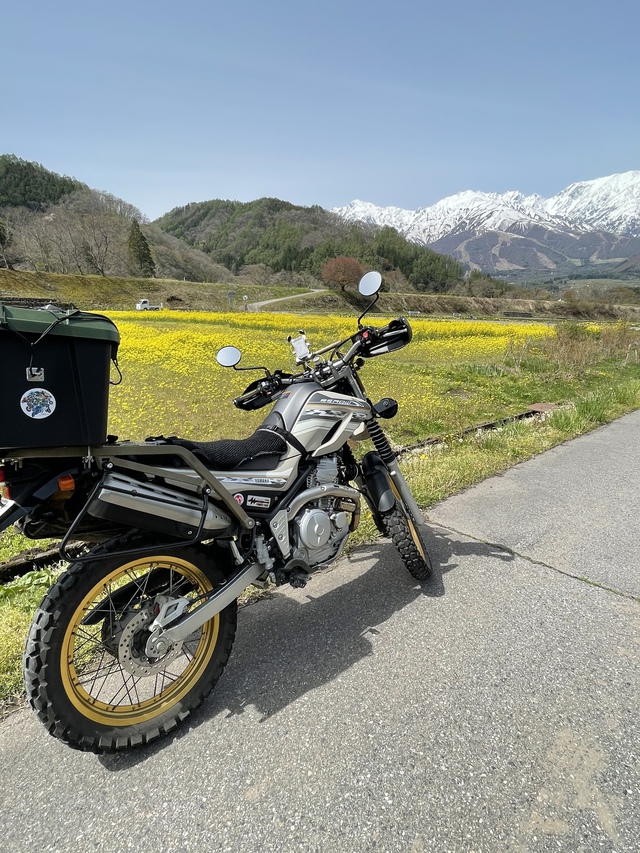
(260, 451)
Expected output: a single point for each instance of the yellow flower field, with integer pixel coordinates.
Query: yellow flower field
(174, 386)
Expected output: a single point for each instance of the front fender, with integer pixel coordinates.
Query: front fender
(376, 477)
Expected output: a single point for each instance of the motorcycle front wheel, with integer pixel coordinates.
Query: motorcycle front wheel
(86, 672)
(400, 527)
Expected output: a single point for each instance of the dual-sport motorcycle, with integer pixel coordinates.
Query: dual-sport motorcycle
(137, 631)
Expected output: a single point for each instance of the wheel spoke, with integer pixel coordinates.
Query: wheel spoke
(96, 667)
(168, 678)
(90, 676)
(85, 637)
(124, 689)
(103, 677)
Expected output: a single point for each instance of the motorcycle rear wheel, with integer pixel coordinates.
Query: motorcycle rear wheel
(85, 670)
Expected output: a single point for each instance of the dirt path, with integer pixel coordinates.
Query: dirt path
(257, 306)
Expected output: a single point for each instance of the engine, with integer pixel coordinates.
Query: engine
(319, 533)
(326, 471)
(320, 527)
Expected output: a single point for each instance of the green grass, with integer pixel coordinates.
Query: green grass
(15, 619)
(18, 601)
(95, 292)
(12, 544)
(456, 463)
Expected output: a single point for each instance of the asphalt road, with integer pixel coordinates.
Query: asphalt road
(493, 709)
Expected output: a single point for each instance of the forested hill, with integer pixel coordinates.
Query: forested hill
(53, 223)
(26, 184)
(284, 236)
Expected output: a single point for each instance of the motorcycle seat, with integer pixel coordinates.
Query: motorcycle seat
(260, 452)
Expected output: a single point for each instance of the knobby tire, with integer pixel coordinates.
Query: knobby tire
(55, 662)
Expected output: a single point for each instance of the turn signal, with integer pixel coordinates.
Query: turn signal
(66, 483)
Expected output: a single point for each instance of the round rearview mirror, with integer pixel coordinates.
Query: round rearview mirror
(228, 356)
(370, 283)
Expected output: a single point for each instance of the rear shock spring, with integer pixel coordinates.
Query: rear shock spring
(381, 442)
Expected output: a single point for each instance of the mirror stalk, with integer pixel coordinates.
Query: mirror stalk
(367, 309)
(257, 367)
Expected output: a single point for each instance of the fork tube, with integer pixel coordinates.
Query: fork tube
(385, 451)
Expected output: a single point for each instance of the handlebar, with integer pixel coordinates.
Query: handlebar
(262, 391)
(372, 341)
(368, 342)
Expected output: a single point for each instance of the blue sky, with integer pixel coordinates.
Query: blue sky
(402, 103)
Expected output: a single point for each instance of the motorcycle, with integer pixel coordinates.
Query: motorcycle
(136, 632)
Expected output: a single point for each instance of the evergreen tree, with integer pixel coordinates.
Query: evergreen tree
(25, 184)
(139, 252)
(434, 273)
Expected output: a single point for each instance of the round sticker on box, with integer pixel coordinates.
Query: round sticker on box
(38, 403)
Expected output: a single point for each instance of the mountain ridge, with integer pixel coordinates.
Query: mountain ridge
(587, 222)
(48, 222)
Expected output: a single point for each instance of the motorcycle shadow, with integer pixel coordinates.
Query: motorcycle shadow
(299, 640)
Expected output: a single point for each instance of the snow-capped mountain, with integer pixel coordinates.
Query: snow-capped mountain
(464, 210)
(605, 204)
(590, 221)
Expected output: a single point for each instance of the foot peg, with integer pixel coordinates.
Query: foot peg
(295, 572)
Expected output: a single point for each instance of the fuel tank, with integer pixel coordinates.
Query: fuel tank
(321, 420)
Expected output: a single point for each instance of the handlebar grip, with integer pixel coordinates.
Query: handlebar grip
(254, 397)
(262, 391)
(394, 335)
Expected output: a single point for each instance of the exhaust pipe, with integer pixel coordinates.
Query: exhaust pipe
(149, 506)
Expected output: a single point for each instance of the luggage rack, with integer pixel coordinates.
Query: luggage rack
(109, 456)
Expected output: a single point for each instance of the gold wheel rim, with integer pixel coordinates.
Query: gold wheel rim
(416, 538)
(127, 706)
(410, 524)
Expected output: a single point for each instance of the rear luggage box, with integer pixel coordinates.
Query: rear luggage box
(54, 377)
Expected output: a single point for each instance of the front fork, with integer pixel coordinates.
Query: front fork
(376, 480)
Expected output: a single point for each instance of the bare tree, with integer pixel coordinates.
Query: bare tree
(32, 239)
(6, 240)
(259, 274)
(97, 227)
(343, 272)
(85, 233)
